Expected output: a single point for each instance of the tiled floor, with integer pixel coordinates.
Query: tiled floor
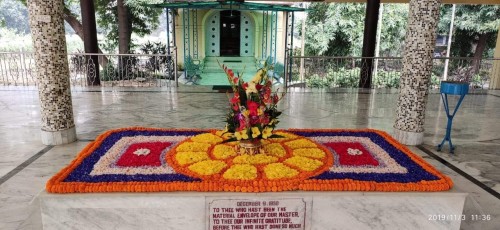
(475, 132)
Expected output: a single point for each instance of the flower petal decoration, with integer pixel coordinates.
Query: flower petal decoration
(241, 172)
(191, 160)
(279, 171)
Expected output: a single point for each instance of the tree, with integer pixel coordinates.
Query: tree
(135, 19)
(13, 15)
(394, 21)
(72, 20)
(121, 18)
(476, 28)
(90, 41)
(336, 29)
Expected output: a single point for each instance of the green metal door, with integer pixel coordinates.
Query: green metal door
(246, 35)
(212, 46)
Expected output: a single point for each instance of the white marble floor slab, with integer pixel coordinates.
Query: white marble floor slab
(475, 132)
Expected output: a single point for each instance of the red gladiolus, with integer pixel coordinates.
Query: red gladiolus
(242, 122)
(275, 98)
(266, 96)
(252, 106)
(258, 87)
(235, 99)
(245, 86)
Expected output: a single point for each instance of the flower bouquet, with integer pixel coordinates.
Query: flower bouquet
(254, 113)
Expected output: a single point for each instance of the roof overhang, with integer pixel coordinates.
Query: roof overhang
(482, 2)
(234, 5)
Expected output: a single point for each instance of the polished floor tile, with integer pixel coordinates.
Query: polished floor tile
(475, 132)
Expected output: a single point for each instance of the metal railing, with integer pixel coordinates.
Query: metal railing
(319, 71)
(142, 70)
(138, 70)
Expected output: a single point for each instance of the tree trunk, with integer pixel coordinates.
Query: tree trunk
(124, 35)
(90, 41)
(78, 28)
(124, 32)
(478, 54)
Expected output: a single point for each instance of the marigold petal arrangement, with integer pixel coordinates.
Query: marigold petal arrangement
(158, 160)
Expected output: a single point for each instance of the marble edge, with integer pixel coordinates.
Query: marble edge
(45, 194)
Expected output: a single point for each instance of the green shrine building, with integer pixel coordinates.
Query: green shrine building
(241, 35)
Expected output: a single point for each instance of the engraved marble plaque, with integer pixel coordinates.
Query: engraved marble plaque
(258, 213)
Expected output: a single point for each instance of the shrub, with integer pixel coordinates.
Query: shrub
(155, 62)
(349, 78)
(344, 77)
(386, 79)
(315, 81)
(108, 73)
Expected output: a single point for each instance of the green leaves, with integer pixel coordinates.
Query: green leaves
(471, 21)
(336, 29)
(142, 19)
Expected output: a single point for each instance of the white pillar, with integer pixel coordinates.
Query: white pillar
(417, 65)
(49, 42)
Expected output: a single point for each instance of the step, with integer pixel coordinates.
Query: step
(222, 59)
(233, 67)
(215, 64)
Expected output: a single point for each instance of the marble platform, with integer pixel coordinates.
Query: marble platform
(188, 210)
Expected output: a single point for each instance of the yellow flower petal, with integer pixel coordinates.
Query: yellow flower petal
(223, 151)
(267, 132)
(279, 170)
(255, 132)
(274, 149)
(304, 163)
(285, 135)
(309, 152)
(238, 135)
(254, 159)
(208, 167)
(243, 134)
(192, 147)
(301, 143)
(207, 138)
(241, 172)
(257, 77)
(251, 88)
(185, 158)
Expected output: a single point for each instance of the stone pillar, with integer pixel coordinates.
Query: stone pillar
(49, 43)
(495, 71)
(369, 43)
(417, 65)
